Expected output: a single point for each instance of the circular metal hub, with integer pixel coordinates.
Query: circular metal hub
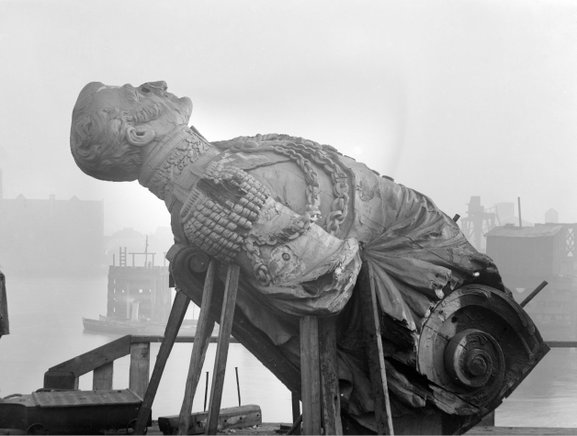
(472, 358)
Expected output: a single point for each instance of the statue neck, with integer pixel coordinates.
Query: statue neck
(166, 159)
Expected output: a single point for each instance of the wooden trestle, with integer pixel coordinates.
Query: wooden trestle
(319, 388)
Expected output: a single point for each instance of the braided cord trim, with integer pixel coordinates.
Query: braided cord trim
(304, 153)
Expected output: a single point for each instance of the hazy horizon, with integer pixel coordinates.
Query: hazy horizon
(450, 98)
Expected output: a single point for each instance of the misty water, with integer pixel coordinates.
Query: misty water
(46, 329)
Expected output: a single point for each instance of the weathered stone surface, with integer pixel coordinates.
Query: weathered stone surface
(301, 220)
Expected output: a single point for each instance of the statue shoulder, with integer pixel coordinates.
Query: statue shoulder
(272, 142)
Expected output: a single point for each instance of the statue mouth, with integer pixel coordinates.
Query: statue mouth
(182, 104)
(160, 88)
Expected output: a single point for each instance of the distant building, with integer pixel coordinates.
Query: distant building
(51, 236)
(526, 256)
(477, 223)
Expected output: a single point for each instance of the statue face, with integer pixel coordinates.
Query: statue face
(148, 104)
(111, 125)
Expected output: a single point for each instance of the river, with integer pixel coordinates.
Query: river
(46, 329)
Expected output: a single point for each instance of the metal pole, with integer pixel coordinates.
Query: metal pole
(237, 385)
(534, 293)
(519, 208)
(206, 391)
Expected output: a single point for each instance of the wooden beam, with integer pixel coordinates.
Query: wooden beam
(102, 377)
(177, 313)
(93, 359)
(139, 368)
(228, 418)
(226, 320)
(561, 344)
(204, 328)
(330, 394)
(375, 354)
(252, 338)
(310, 375)
(295, 406)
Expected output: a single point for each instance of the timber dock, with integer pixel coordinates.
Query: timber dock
(100, 362)
(61, 382)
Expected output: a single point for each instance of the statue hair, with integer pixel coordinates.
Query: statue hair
(98, 139)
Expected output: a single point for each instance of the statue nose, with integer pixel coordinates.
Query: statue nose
(158, 85)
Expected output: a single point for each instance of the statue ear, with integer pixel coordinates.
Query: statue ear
(140, 135)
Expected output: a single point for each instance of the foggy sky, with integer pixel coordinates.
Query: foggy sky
(450, 98)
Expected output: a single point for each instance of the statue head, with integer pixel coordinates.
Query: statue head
(113, 126)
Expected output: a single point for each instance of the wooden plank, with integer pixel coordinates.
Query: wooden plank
(177, 313)
(226, 320)
(561, 344)
(139, 368)
(330, 394)
(204, 328)
(375, 353)
(310, 375)
(295, 406)
(87, 362)
(102, 377)
(228, 418)
(252, 338)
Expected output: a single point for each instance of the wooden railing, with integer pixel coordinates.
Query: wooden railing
(100, 362)
(562, 344)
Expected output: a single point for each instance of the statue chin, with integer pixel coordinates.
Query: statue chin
(120, 178)
(112, 173)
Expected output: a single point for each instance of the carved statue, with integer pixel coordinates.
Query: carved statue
(302, 220)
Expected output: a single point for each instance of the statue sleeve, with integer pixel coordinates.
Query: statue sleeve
(298, 266)
(293, 263)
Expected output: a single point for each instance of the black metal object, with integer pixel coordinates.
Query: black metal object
(70, 412)
(4, 326)
(237, 385)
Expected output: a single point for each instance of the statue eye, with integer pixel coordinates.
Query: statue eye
(144, 89)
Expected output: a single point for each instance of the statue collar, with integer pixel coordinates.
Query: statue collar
(166, 160)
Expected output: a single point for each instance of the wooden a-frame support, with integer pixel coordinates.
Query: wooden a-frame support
(319, 377)
(205, 326)
(374, 343)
